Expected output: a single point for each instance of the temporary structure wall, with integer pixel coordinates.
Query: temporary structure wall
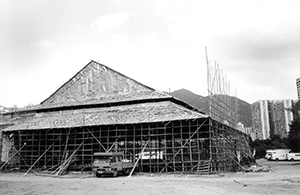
(176, 146)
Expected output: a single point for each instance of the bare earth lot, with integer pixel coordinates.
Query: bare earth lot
(283, 178)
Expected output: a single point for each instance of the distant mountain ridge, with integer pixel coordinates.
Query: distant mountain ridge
(202, 103)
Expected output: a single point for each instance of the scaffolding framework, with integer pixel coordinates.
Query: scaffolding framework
(112, 112)
(222, 107)
(179, 146)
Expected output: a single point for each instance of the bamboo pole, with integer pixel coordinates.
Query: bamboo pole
(65, 164)
(138, 158)
(66, 145)
(186, 142)
(18, 152)
(97, 140)
(38, 159)
(113, 145)
(13, 156)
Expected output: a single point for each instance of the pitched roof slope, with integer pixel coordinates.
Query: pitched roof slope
(124, 114)
(100, 84)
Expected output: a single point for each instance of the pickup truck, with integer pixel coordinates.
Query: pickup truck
(111, 163)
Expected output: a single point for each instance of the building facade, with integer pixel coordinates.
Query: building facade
(281, 117)
(260, 119)
(101, 110)
(271, 117)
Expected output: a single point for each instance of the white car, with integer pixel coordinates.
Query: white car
(293, 156)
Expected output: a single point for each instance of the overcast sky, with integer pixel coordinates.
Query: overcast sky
(158, 43)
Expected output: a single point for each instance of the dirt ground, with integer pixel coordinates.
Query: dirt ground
(283, 178)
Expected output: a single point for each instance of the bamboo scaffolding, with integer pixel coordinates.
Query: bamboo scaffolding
(135, 164)
(17, 151)
(38, 159)
(183, 146)
(113, 145)
(97, 140)
(66, 145)
(67, 162)
(13, 156)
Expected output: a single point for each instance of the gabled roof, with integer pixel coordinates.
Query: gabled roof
(98, 95)
(100, 84)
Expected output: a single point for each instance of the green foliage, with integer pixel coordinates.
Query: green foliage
(274, 143)
(294, 134)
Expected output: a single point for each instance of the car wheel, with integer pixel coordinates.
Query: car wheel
(98, 175)
(127, 172)
(277, 159)
(115, 173)
(292, 159)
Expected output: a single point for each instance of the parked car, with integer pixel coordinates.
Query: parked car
(293, 156)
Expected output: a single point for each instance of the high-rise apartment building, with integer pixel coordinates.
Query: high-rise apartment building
(260, 119)
(281, 117)
(271, 118)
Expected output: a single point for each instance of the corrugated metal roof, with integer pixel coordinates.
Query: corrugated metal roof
(125, 114)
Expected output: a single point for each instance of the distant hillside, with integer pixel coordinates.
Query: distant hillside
(191, 98)
(200, 102)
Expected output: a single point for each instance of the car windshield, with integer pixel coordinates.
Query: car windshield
(102, 158)
(107, 158)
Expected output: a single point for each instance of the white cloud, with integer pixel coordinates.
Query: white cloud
(42, 43)
(158, 43)
(110, 21)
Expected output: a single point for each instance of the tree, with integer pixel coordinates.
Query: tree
(275, 142)
(294, 134)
